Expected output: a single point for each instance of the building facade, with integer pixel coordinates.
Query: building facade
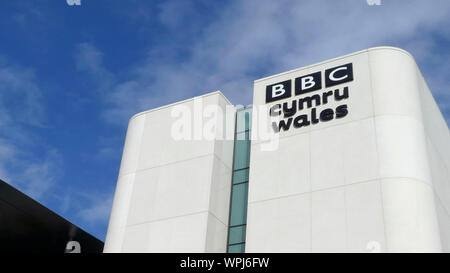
(348, 155)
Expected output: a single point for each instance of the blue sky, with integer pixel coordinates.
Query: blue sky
(72, 76)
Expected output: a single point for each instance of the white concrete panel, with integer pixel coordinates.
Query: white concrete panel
(284, 171)
(216, 235)
(160, 147)
(171, 190)
(122, 201)
(395, 82)
(343, 154)
(364, 214)
(219, 200)
(435, 125)
(439, 174)
(279, 225)
(119, 213)
(136, 239)
(178, 234)
(360, 151)
(410, 216)
(132, 145)
(224, 142)
(114, 239)
(329, 232)
(444, 225)
(223, 149)
(402, 148)
(327, 158)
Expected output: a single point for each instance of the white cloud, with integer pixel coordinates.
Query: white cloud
(22, 109)
(20, 97)
(169, 12)
(98, 209)
(38, 177)
(89, 59)
(27, 161)
(253, 39)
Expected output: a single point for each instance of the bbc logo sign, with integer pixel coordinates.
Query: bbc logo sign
(309, 83)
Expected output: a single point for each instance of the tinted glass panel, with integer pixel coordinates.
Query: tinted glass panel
(237, 235)
(244, 120)
(236, 248)
(240, 176)
(242, 151)
(239, 204)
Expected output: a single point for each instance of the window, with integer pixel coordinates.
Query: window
(239, 191)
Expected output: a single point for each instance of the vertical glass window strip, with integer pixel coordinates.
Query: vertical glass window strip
(239, 191)
(242, 150)
(243, 120)
(238, 214)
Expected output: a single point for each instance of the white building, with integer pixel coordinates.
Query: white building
(358, 160)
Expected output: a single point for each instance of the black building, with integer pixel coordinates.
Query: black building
(27, 226)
